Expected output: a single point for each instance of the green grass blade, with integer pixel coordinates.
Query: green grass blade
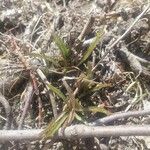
(92, 85)
(52, 60)
(49, 86)
(91, 47)
(79, 118)
(54, 125)
(100, 86)
(89, 72)
(57, 91)
(65, 51)
(96, 109)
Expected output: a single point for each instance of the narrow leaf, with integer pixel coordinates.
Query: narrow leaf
(91, 47)
(79, 118)
(62, 47)
(97, 109)
(47, 58)
(99, 86)
(69, 118)
(93, 85)
(89, 72)
(54, 125)
(50, 86)
(57, 91)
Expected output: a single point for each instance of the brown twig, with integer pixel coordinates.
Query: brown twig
(7, 108)
(17, 51)
(27, 98)
(86, 28)
(134, 61)
(40, 112)
(108, 49)
(45, 81)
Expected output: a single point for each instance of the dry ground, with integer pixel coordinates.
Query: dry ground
(27, 30)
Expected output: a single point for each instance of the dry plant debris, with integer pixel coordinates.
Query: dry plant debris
(74, 65)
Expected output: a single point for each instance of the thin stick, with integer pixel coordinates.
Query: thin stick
(27, 98)
(7, 108)
(123, 115)
(122, 36)
(45, 81)
(40, 112)
(77, 132)
(83, 131)
(86, 28)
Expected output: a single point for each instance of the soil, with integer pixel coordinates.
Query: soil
(27, 42)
